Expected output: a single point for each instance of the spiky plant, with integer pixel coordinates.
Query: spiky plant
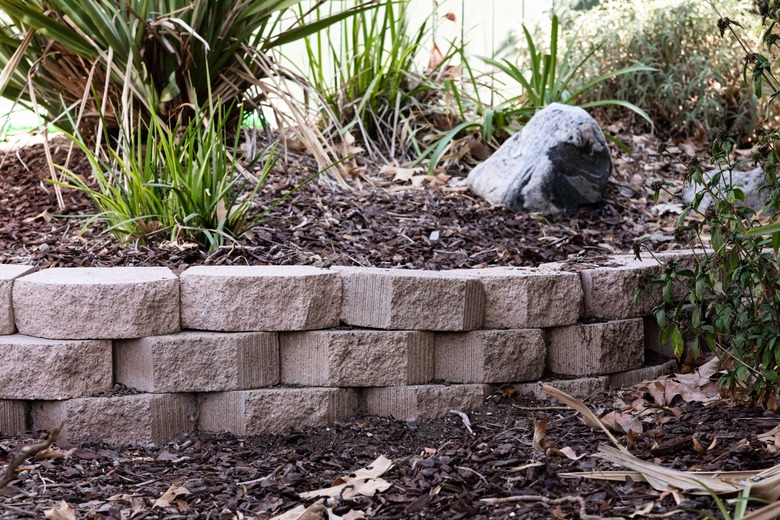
(79, 59)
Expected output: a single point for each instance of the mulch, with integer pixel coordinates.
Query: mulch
(383, 220)
(441, 470)
(390, 218)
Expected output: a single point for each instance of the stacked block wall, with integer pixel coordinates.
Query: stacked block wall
(140, 355)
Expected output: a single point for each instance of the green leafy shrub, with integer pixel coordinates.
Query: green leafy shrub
(695, 89)
(175, 183)
(732, 290)
(734, 285)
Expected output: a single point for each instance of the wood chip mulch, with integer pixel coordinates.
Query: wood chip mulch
(441, 469)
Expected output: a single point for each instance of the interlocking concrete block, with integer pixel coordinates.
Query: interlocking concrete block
(356, 358)
(259, 298)
(142, 419)
(8, 273)
(255, 412)
(193, 361)
(422, 402)
(97, 302)
(34, 368)
(596, 348)
(518, 298)
(400, 299)
(490, 356)
(631, 377)
(610, 289)
(580, 388)
(13, 416)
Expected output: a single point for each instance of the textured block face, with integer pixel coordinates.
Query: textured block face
(198, 362)
(34, 368)
(97, 303)
(632, 377)
(596, 348)
(143, 419)
(580, 388)
(490, 356)
(414, 403)
(396, 299)
(609, 291)
(356, 358)
(13, 416)
(268, 411)
(259, 298)
(530, 298)
(8, 273)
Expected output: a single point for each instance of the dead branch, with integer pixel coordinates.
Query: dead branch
(27, 452)
(550, 502)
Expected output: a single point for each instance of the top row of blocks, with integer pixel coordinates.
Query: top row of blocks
(131, 302)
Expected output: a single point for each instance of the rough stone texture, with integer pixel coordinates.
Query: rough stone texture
(254, 412)
(610, 290)
(8, 273)
(530, 298)
(34, 368)
(557, 162)
(13, 416)
(750, 182)
(142, 419)
(411, 300)
(257, 298)
(490, 356)
(580, 388)
(356, 358)
(596, 348)
(97, 302)
(631, 377)
(414, 403)
(198, 362)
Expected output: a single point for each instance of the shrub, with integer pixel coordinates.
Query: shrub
(734, 285)
(178, 183)
(82, 60)
(368, 78)
(695, 88)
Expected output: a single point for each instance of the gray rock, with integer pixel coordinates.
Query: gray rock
(749, 182)
(558, 162)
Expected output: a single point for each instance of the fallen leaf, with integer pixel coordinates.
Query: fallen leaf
(363, 482)
(169, 496)
(61, 512)
(622, 422)
(540, 428)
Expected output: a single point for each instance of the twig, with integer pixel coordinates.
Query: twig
(27, 452)
(550, 502)
(17, 510)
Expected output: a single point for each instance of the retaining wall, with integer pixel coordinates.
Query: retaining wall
(259, 349)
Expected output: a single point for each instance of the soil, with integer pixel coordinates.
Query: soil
(441, 470)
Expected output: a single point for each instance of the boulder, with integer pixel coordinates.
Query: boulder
(751, 183)
(558, 162)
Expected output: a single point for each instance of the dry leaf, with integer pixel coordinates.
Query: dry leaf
(540, 427)
(313, 512)
(569, 453)
(169, 496)
(365, 482)
(61, 512)
(622, 422)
